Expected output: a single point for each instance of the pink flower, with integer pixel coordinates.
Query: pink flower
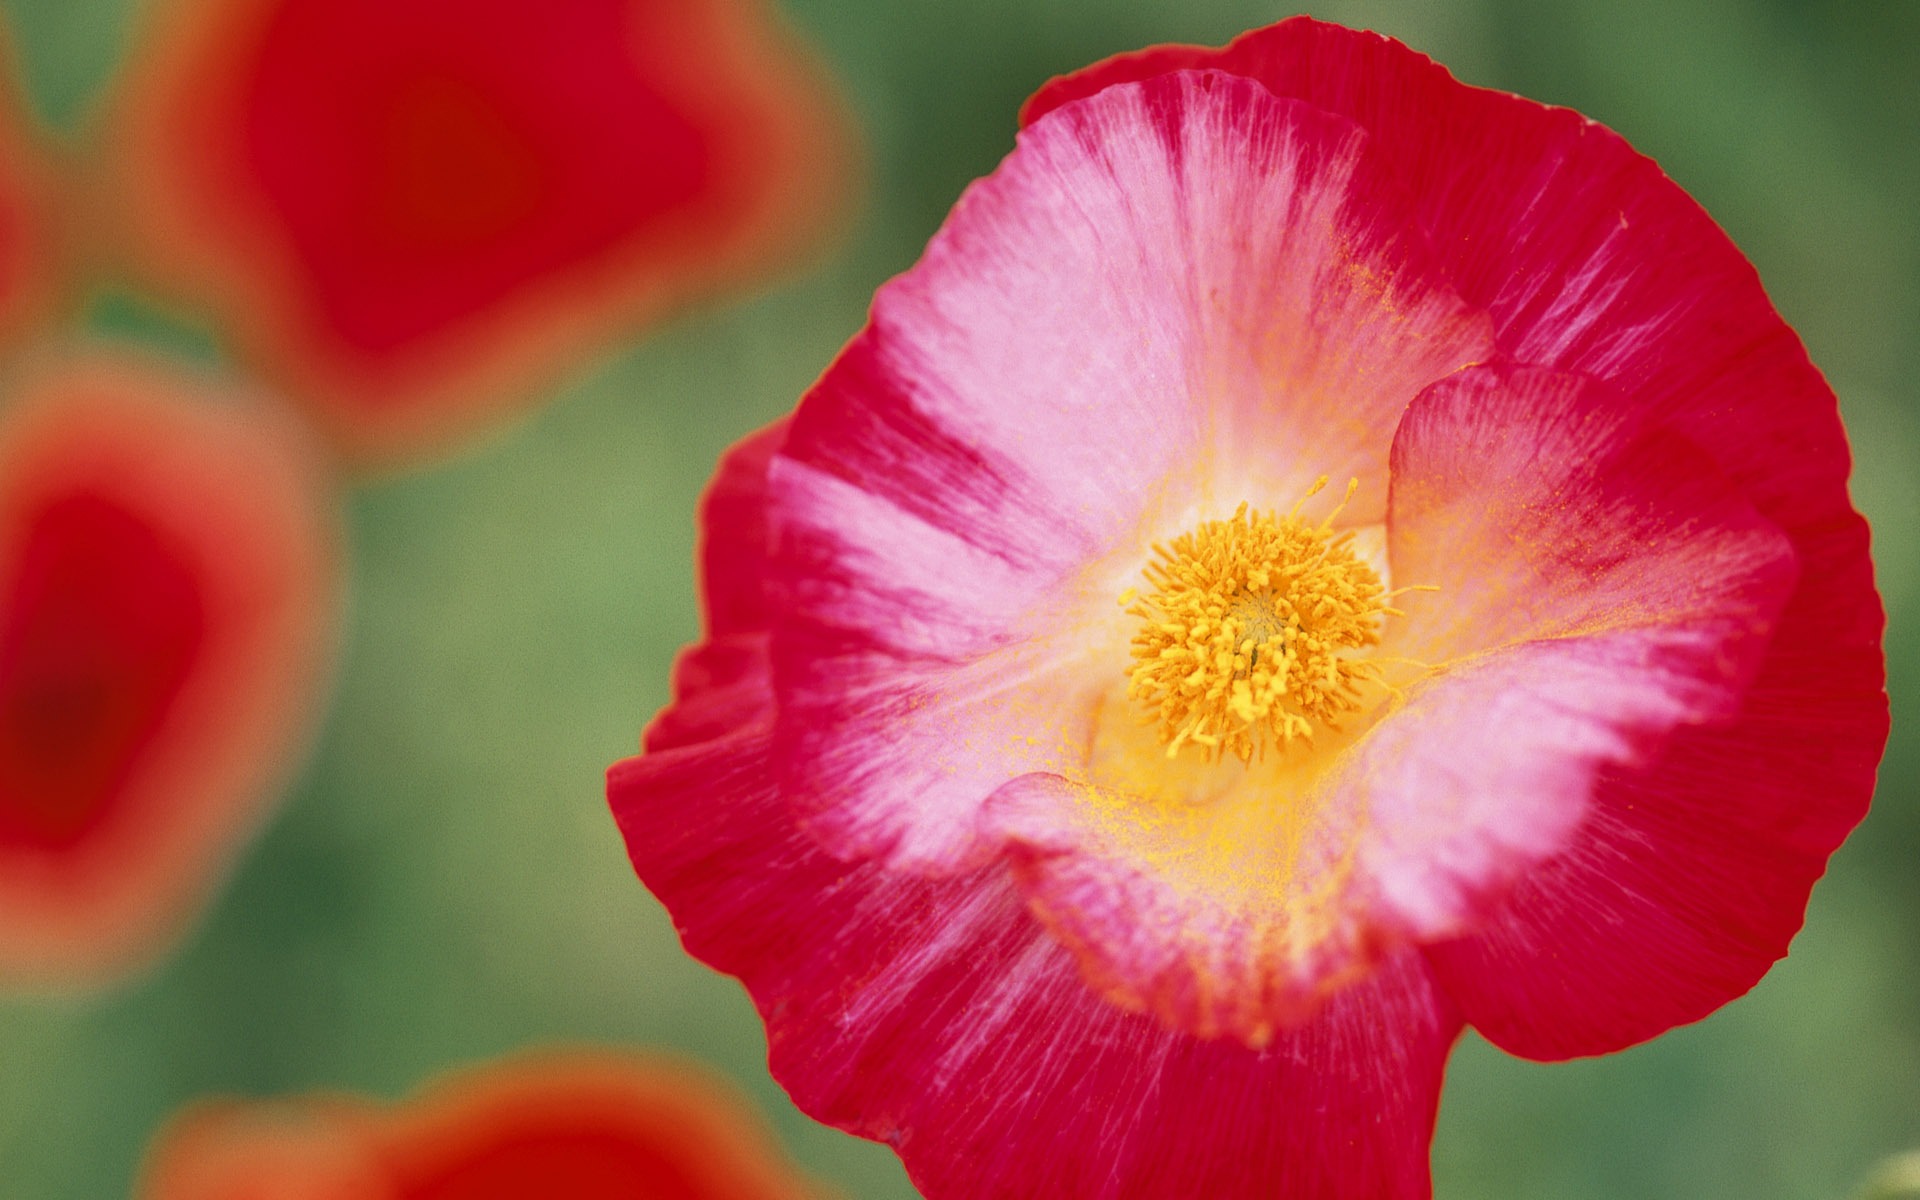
(415, 214)
(169, 585)
(1096, 806)
(573, 1125)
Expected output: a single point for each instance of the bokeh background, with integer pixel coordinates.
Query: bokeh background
(443, 882)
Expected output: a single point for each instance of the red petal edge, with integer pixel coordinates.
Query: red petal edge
(733, 567)
(940, 1018)
(894, 1004)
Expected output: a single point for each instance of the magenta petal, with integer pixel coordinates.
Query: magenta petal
(716, 687)
(1596, 586)
(733, 569)
(1590, 259)
(1606, 758)
(1537, 506)
(1672, 900)
(1586, 255)
(1691, 873)
(894, 1003)
(937, 1016)
(1691, 870)
(1170, 298)
(734, 539)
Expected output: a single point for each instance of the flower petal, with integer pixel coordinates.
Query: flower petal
(1071, 372)
(1591, 260)
(168, 590)
(1691, 873)
(233, 1150)
(418, 214)
(34, 240)
(936, 1016)
(578, 1124)
(735, 540)
(1692, 867)
(1535, 505)
(733, 554)
(707, 699)
(581, 1124)
(1597, 586)
(1222, 915)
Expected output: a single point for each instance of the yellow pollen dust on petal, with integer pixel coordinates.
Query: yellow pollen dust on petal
(1246, 631)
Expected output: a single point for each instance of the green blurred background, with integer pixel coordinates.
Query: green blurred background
(444, 884)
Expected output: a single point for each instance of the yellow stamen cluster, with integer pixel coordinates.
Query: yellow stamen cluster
(1242, 640)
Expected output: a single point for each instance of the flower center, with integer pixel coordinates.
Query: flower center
(1243, 638)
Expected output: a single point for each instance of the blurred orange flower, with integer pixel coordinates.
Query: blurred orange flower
(167, 606)
(575, 1125)
(412, 214)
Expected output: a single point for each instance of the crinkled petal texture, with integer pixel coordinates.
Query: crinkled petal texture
(1595, 591)
(1628, 699)
(579, 1124)
(1177, 296)
(1692, 870)
(940, 1017)
(415, 214)
(168, 598)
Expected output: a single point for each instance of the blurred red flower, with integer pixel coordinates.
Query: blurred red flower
(573, 1125)
(168, 591)
(1096, 807)
(33, 211)
(416, 214)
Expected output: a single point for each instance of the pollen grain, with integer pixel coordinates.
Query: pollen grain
(1246, 628)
